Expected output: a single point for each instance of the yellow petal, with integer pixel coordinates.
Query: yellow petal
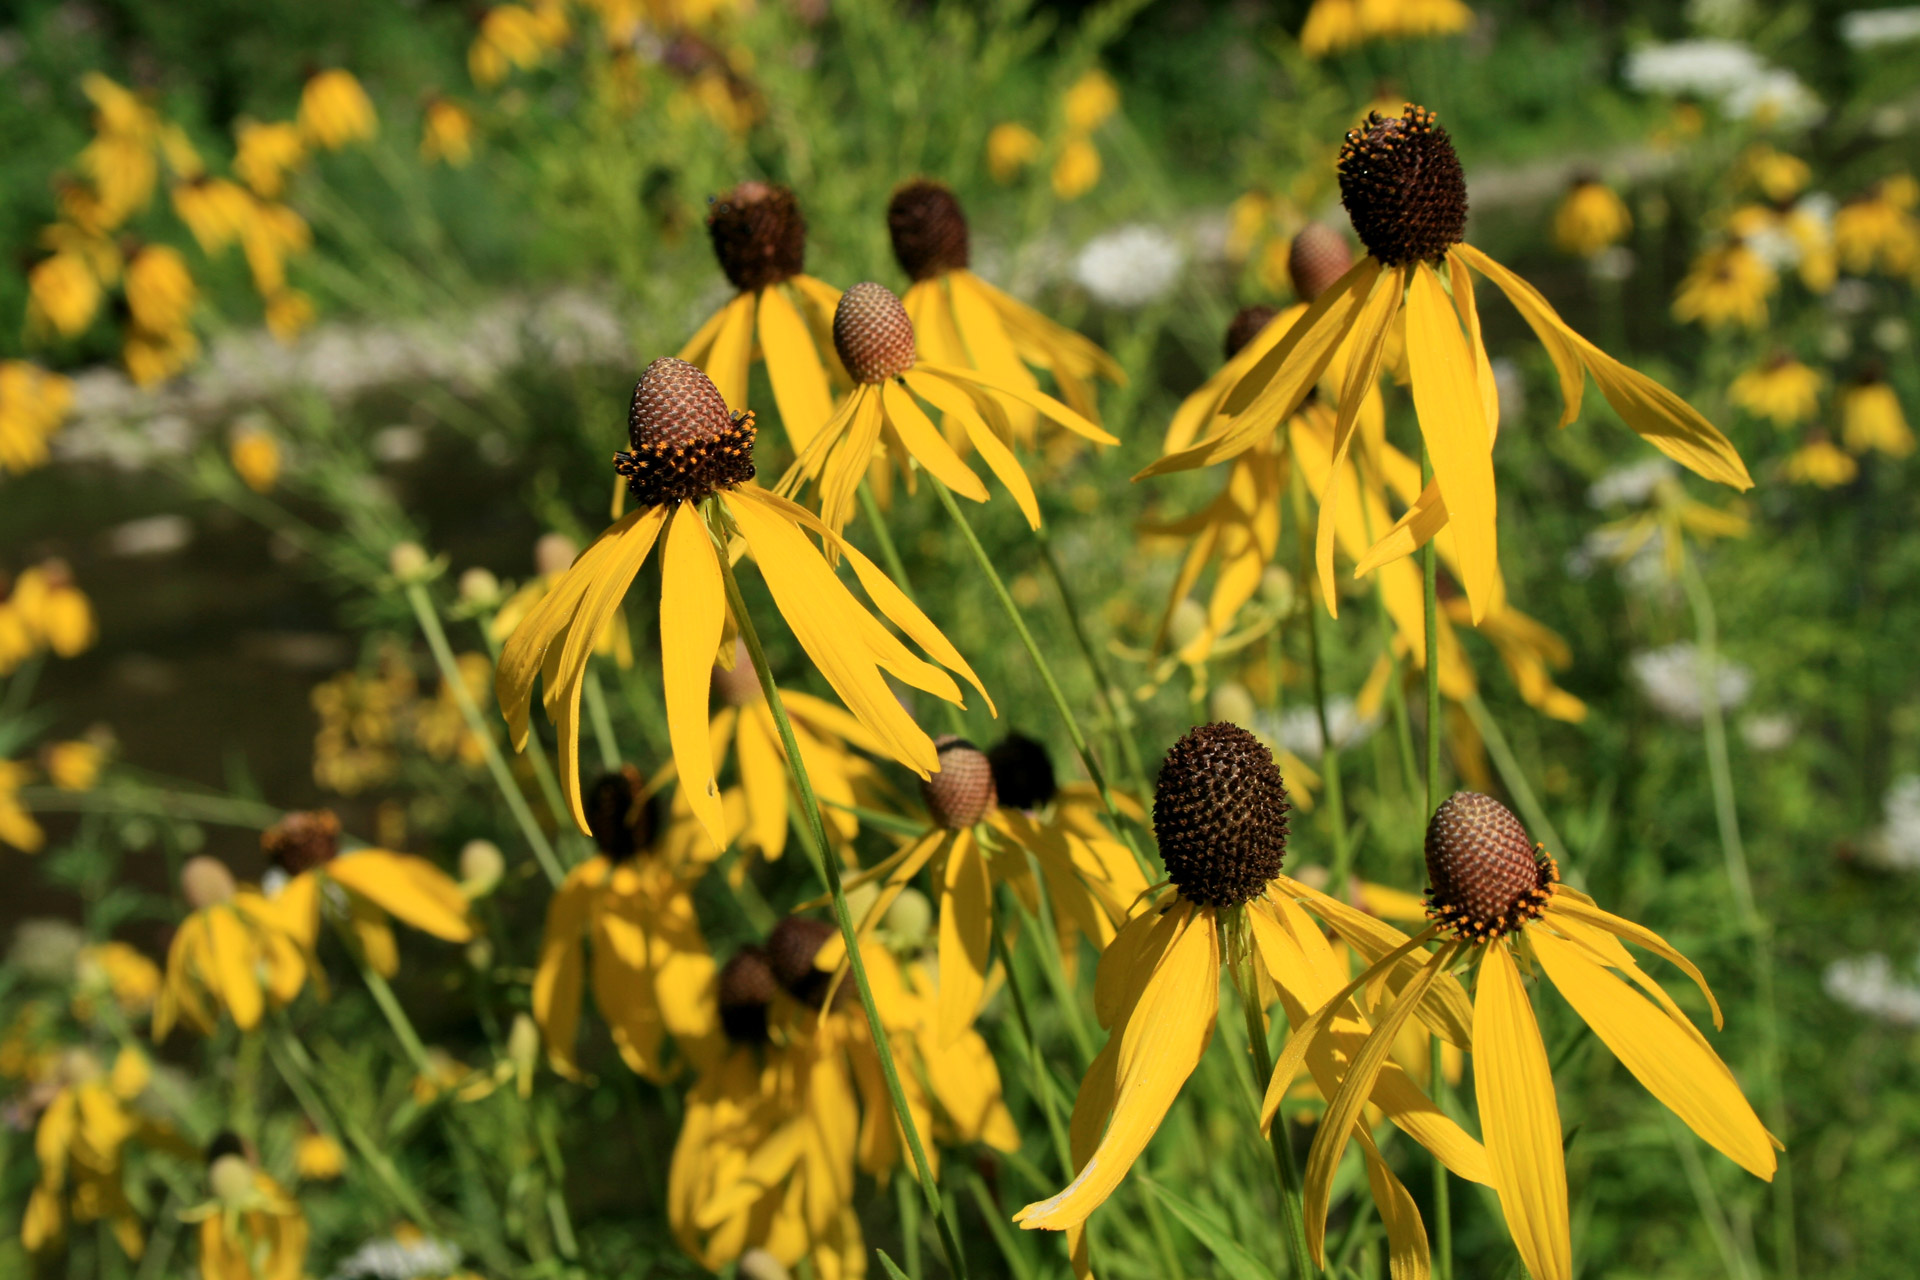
(695, 352)
(732, 349)
(926, 445)
(1141, 940)
(988, 346)
(1567, 901)
(763, 776)
(558, 978)
(230, 954)
(412, 889)
(1541, 318)
(1673, 1066)
(693, 611)
(1446, 397)
(1520, 1118)
(793, 366)
(1407, 1254)
(1446, 1011)
(966, 935)
(1046, 404)
(1370, 329)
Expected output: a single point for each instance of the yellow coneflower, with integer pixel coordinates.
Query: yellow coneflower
(54, 611)
(120, 973)
(1727, 285)
(446, 133)
(274, 233)
(1220, 815)
(1878, 231)
(216, 210)
(1336, 25)
(1491, 889)
(1782, 390)
(1779, 176)
(1403, 187)
(335, 111)
(652, 972)
(63, 294)
(318, 1157)
(250, 1227)
(74, 765)
(1821, 463)
(1090, 101)
(690, 469)
(1870, 416)
(33, 407)
(879, 346)
(1591, 217)
(1802, 229)
(1011, 147)
(153, 356)
(265, 153)
(236, 952)
(960, 319)
(17, 826)
(255, 456)
(120, 160)
(289, 312)
(160, 289)
(1530, 651)
(552, 554)
(1076, 170)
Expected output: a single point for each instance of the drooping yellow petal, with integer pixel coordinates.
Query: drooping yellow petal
(1453, 422)
(411, 889)
(1446, 1011)
(1673, 1066)
(988, 346)
(1370, 328)
(1408, 1257)
(1046, 404)
(695, 352)
(693, 610)
(1161, 1043)
(230, 955)
(793, 366)
(763, 777)
(966, 935)
(732, 350)
(926, 444)
(1520, 1118)
(558, 978)
(1582, 908)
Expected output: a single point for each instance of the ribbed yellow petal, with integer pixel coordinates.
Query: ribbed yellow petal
(1520, 1118)
(412, 889)
(693, 608)
(763, 776)
(1407, 1254)
(926, 444)
(829, 720)
(793, 366)
(1567, 902)
(1446, 1011)
(851, 455)
(1164, 1037)
(999, 458)
(965, 423)
(230, 954)
(1540, 317)
(1370, 328)
(1673, 1066)
(1114, 986)
(375, 936)
(1036, 335)
(558, 979)
(936, 335)
(1447, 399)
(732, 350)
(989, 348)
(966, 935)
(695, 352)
(1046, 404)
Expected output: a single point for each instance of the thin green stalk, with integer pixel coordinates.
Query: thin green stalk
(436, 635)
(1012, 610)
(601, 721)
(296, 1068)
(1430, 593)
(1442, 1187)
(829, 869)
(897, 570)
(909, 1210)
(1329, 757)
(390, 1007)
(1513, 776)
(1066, 1000)
(1042, 1081)
(1113, 700)
(1239, 949)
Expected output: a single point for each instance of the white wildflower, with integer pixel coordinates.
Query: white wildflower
(1671, 680)
(1767, 730)
(150, 536)
(1130, 267)
(1897, 842)
(1868, 983)
(1298, 729)
(1704, 68)
(395, 1259)
(1631, 485)
(1777, 97)
(1871, 28)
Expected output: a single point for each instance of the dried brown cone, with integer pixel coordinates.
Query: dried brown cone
(791, 947)
(758, 235)
(929, 229)
(302, 840)
(747, 987)
(1023, 776)
(872, 333)
(205, 882)
(685, 443)
(1484, 876)
(961, 791)
(621, 815)
(1246, 325)
(1220, 815)
(739, 687)
(1318, 256)
(1403, 187)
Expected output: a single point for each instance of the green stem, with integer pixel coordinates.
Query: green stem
(897, 569)
(1012, 610)
(1042, 1081)
(1113, 700)
(1508, 765)
(601, 721)
(1329, 757)
(1430, 601)
(909, 1209)
(436, 635)
(828, 867)
(290, 1056)
(1442, 1188)
(1239, 949)
(390, 1007)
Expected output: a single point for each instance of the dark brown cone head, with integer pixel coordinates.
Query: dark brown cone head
(961, 791)
(747, 987)
(302, 840)
(739, 687)
(1403, 187)
(227, 1143)
(758, 235)
(1220, 815)
(791, 947)
(1484, 877)
(872, 333)
(621, 815)
(1246, 325)
(1318, 257)
(1023, 776)
(929, 229)
(685, 443)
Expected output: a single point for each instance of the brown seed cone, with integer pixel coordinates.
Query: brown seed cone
(758, 235)
(1318, 256)
(302, 840)
(1023, 776)
(1403, 187)
(929, 229)
(739, 687)
(1246, 325)
(961, 791)
(205, 882)
(747, 987)
(1220, 815)
(1484, 876)
(791, 947)
(872, 333)
(621, 815)
(685, 443)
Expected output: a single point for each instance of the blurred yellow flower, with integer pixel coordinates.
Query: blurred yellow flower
(1011, 147)
(1090, 101)
(255, 455)
(63, 293)
(1870, 418)
(1779, 176)
(446, 134)
(74, 765)
(335, 110)
(1336, 25)
(1727, 285)
(289, 313)
(1782, 390)
(266, 153)
(318, 1158)
(217, 211)
(251, 1229)
(1590, 218)
(151, 358)
(514, 36)
(120, 972)
(1821, 463)
(1879, 231)
(124, 171)
(441, 728)
(33, 406)
(160, 289)
(55, 612)
(238, 951)
(275, 232)
(1076, 170)
(1803, 231)
(17, 827)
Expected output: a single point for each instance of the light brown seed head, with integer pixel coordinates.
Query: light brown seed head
(961, 792)
(205, 882)
(1318, 256)
(1484, 876)
(872, 333)
(685, 443)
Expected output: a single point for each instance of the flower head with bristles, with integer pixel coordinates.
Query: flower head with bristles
(872, 333)
(685, 442)
(1402, 184)
(1485, 878)
(1220, 815)
(758, 235)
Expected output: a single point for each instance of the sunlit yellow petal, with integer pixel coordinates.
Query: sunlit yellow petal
(412, 889)
(1520, 1118)
(692, 615)
(1453, 422)
(966, 935)
(793, 366)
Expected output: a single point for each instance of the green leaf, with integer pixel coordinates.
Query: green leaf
(893, 1268)
(1211, 1232)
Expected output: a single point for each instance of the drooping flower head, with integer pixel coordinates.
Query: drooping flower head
(1402, 184)
(1220, 816)
(758, 235)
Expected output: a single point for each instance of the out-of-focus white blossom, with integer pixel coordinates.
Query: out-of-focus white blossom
(1298, 729)
(1130, 267)
(1869, 984)
(1702, 68)
(1897, 842)
(1871, 28)
(1631, 485)
(1671, 679)
(395, 1259)
(1767, 730)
